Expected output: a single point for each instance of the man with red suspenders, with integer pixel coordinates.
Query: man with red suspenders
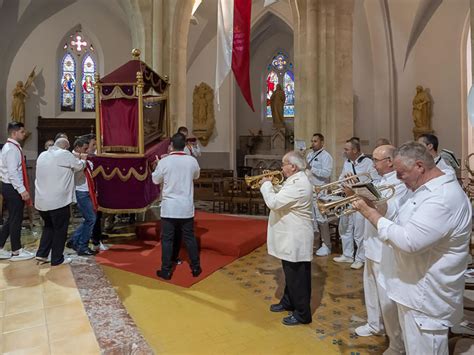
(15, 191)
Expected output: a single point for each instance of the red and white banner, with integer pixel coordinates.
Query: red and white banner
(233, 45)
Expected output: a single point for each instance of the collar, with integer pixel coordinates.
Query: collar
(317, 151)
(11, 140)
(295, 176)
(358, 159)
(435, 183)
(178, 153)
(437, 159)
(390, 176)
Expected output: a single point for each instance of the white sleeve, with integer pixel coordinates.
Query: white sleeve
(284, 198)
(15, 176)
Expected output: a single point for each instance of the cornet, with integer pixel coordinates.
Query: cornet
(337, 187)
(343, 205)
(255, 181)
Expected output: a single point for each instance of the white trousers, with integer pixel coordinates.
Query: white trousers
(320, 225)
(421, 334)
(351, 229)
(382, 313)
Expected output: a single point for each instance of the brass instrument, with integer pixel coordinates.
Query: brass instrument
(255, 181)
(337, 188)
(341, 207)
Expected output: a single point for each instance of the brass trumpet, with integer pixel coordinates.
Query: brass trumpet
(337, 188)
(255, 181)
(343, 205)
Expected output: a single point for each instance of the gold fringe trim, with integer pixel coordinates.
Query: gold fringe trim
(127, 210)
(119, 148)
(116, 171)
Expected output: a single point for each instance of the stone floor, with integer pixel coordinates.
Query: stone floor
(80, 309)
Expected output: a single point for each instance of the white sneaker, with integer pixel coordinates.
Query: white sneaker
(42, 260)
(365, 331)
(22, 255)
(5, 254)
(356, 265)
(100, 247)
(323, 251)
(343, 259)
(66, 261)
(103, 247)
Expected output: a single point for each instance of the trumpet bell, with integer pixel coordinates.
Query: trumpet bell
(254, 182)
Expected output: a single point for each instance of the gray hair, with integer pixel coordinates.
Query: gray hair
(294, 157)
(411, 151)
(62, 143)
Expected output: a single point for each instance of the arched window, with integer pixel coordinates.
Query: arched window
(77, 82)
(88, 72)
(280, 71)
(68, 83)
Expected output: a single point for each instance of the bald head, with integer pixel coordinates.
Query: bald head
(383, 159)
(62, 143)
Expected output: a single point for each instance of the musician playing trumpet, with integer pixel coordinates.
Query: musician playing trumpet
(382, 316)
(319, 170)
(351, 227)
(290, 236)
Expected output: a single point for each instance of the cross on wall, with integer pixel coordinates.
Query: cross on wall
(79, 43)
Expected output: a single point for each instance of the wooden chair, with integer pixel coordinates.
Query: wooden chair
(241, 195)
(224, 189)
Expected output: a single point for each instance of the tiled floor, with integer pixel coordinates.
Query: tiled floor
(41, 311)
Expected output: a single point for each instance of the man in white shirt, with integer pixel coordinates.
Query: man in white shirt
(320, 164)
(430, 239)
(54, 192)
(81, 236)
(351, 227)
(176, 173)
(192, 144)
(430, 141)
(15, 192)
(290, 236)
(382, 313)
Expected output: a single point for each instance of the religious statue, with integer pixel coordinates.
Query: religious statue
(277, 101)
(421, 112)
(203, 112)
(19, 97)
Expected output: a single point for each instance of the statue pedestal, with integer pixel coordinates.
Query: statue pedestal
(419, 131)
(277, 142)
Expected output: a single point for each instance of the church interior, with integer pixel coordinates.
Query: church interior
(345, 68)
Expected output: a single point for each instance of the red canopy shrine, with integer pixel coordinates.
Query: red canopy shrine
(131, 126)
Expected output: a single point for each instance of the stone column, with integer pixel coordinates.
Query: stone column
(323, 72)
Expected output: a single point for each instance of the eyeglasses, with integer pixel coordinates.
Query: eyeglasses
(375, 160)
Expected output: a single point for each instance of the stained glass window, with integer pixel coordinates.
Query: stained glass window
(68, 83)
(272, 81)
(77, 82)
(289, 85)
(87, 90)
(280, 71)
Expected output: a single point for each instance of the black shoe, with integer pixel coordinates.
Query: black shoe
(70, 244)
(291, 320)
(177, 261)
(87, 252)
(278, 307)
(163, 274)
(197, 271)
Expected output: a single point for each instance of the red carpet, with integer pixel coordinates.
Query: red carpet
(221, 239)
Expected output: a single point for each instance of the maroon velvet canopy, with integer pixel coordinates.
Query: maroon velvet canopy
(127, 74)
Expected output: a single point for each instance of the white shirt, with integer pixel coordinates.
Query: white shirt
(176, 173)
(54, 184)
(11, 167)
(320, 164)
(373, 245)
(430, 239)
(363, 164)
(290, 224)
(193, 149)
(80, 179)
(443, 166)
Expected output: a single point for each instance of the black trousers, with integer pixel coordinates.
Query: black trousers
(12, 226)
(54, 234)
(169, 228)
(297, 295)
(97, 230)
